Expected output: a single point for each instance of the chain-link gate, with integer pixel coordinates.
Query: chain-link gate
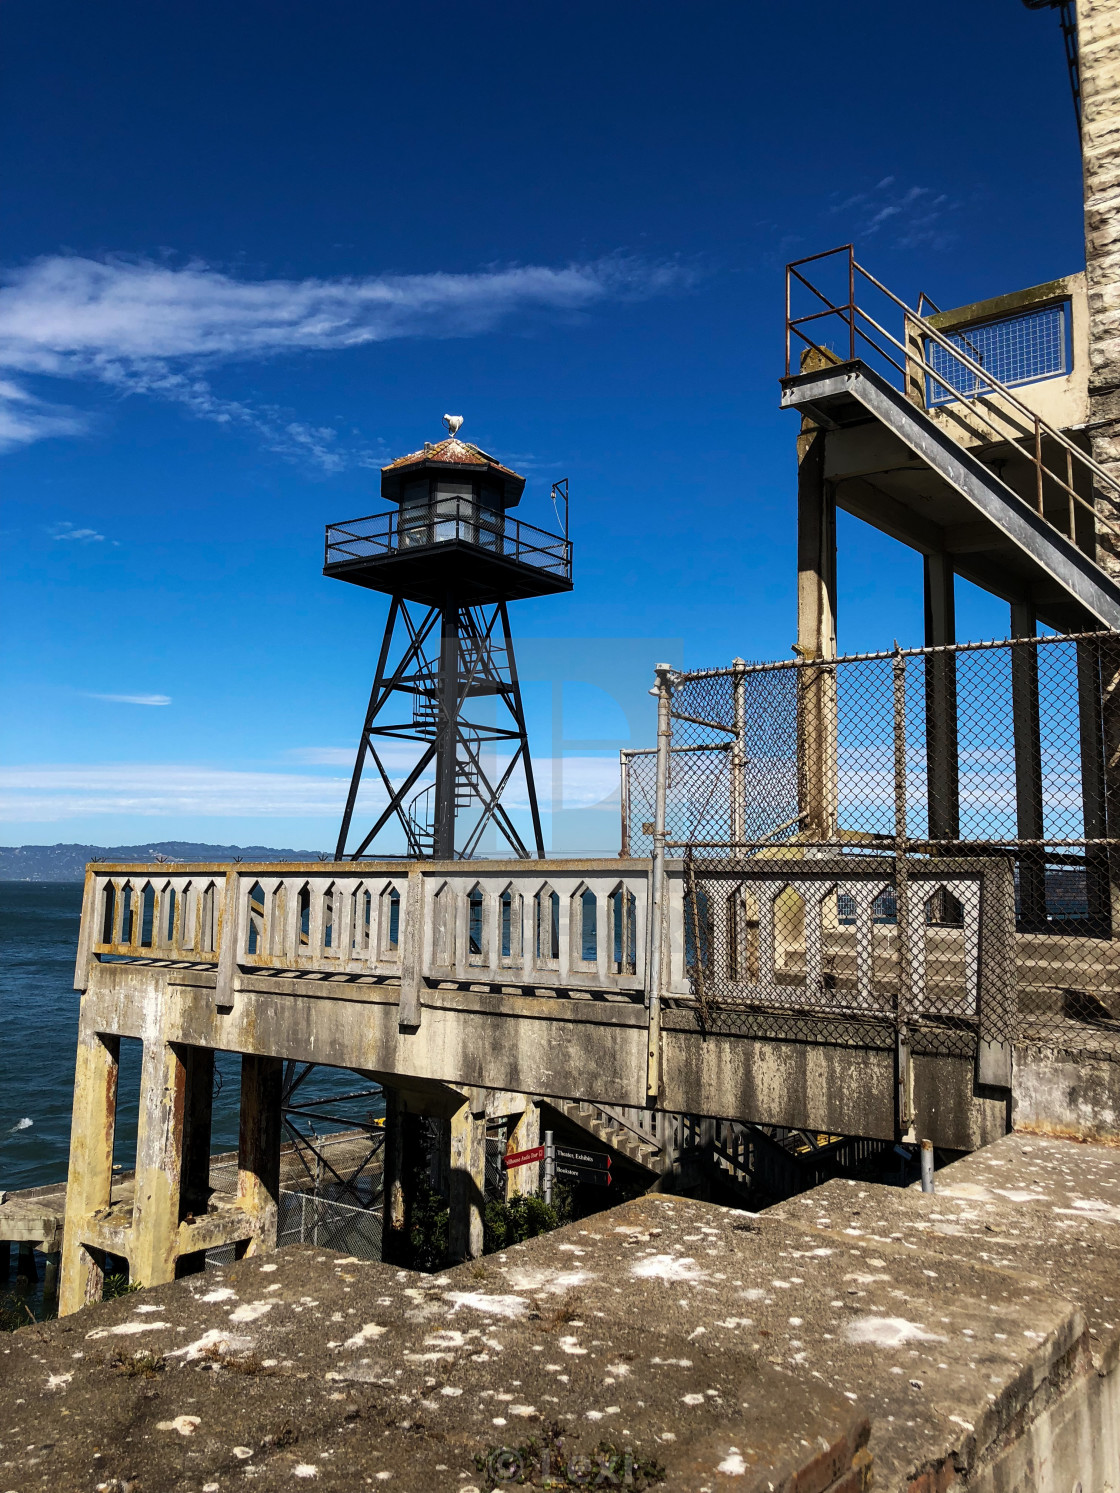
(917, 847)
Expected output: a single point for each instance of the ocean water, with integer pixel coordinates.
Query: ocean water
(38, 1035)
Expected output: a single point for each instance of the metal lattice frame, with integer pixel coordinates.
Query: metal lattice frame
(452, 657)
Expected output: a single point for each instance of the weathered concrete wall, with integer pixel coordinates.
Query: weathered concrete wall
(857, 1335)
(1076, 1095)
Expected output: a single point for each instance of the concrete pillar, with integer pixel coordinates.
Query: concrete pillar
(50, 1279)
(439, 1157)
(943, 797)
(27, 1268)
(468, 1177)
(90, 1175)
(159, 1164)
(526, 1134)
(258, 1149)
(1098, 44)
(401, 1154)
(816, 636)
(1028, 768)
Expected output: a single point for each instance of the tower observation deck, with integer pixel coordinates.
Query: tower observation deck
(451, 557)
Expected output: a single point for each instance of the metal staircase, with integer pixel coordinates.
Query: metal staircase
(927, 444)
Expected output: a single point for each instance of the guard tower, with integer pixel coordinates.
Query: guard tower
(451, 558)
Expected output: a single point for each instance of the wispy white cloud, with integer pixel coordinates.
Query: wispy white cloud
(25, 419)
(913, 217)
(131, 699)
(79, 536)
(54, 792)
(150, 328)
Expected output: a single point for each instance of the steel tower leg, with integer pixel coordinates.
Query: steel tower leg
(450, 658)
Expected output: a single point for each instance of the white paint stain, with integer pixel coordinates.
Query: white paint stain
(251, 1311)
(126, 1329)
(223, 1293)
(733, 1464)
(889, 1332)
(368, 1333)
(667, 1268)
(305, 1469)
(184, 1424)
(59, 1381)
(493, 1306)
(216, 1339)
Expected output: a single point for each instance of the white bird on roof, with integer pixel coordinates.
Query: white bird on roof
(453, 422)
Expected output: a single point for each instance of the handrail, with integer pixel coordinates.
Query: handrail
(979, 402)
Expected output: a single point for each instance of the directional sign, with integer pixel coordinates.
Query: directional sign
(599, 1160)
(589, 1175)
(523, 1158)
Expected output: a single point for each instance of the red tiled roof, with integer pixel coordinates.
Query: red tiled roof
(460, 453)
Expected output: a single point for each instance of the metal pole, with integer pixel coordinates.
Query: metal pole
(657, 909)
(549, 1172)
(624, 800)
(739, 754)
(904, 1076)
(927, 1166)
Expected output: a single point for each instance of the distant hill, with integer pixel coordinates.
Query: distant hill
(68, 862)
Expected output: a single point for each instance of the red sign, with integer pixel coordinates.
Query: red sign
(523, 1158)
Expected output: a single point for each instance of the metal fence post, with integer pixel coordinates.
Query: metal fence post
(548, 1170)
(624, 801)
(739, 754)
(657, 900)
(904, 1063)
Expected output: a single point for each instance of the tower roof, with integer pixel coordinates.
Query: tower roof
(455, 456)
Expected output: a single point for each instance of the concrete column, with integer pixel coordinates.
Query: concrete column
(816, 636)
(1028, 767)
(468, 1178)
(159, 1164)
(90, 1173)
(525, 1135)
(258, 1149)
(1098, 43)
(27, 1268)
(401, 1157)
(943, 797)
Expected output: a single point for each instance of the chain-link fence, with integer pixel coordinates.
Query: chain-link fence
(926, 840)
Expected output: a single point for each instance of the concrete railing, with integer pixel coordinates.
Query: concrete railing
(530, 923)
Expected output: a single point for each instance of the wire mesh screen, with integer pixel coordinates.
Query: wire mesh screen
(1017, 350)
(925, 840)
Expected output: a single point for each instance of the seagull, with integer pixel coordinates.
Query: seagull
(453, 422)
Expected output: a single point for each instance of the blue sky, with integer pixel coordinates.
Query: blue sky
(252, 251)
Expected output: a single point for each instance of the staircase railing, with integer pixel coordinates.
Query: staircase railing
(994, 406)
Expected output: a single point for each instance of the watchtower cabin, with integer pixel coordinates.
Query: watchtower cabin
(451, 557)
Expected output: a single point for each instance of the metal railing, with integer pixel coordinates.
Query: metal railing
(987, 410)
(448, 521)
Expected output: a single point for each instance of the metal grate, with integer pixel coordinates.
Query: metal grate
(1015, 350)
